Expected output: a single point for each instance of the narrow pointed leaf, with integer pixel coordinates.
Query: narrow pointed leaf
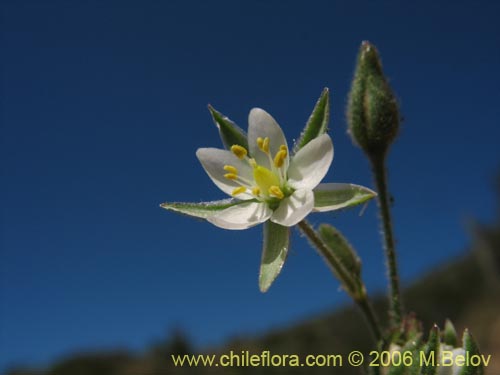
(471, 348)
(431, 351)
(339, 245)
(318, 121)
(274, 252)
(450, 334)
(349, 282)
(202, 209)
(333, 196)
(230, 133)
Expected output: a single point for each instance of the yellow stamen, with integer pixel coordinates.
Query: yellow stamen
(239, 151)
(230, 169)
(265, 145)
(260, 142)
(238, 190)
(231, 176)
(252, 162)
(265, 178)
(256, 191)
(276, 192)
(279, 159)
(283, 148)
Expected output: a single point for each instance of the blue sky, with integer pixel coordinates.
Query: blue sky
(104, 106)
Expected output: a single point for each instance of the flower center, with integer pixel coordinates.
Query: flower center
(264, 178)
(268, 184)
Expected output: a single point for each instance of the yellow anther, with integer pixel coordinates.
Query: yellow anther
(279, 159)
(275, 191)
(252, 162)
(239, 190)
(239, 151)
(256, 191)
(264, 178)
(260, 142)
(265, 145)
(284, 148)
(230, 169)
(231, 176)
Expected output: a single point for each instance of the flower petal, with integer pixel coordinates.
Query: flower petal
(311, 163)
(213, 161)
(243, 216)
(262, 124)
(274, 251)
(332, 196)
(457, 368)
(294, 208)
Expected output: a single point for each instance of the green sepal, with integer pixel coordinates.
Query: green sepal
(317, 124)
(431, 350)
(470, 346)
(342, 249)
(334, 196)
(202, 209)
(450, 334)
(274, 252)
(230, 133)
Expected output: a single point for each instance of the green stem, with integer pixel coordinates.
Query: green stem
(339, 270)
(380, 175)
(367, 309)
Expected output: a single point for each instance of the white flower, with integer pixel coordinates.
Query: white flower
(269, 183)
(449, 364)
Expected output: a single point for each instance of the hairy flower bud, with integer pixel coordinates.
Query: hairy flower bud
(372, 111)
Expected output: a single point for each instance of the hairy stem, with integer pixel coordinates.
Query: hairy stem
(380, 175)
(346, 279)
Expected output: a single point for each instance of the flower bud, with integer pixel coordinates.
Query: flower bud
(372, 112)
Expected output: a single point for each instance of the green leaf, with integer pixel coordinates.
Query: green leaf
(431, 353)
(342, 249)
(450, 334)
(350, 284)
(230, 133)
(318, 121)
(333, 196)
(470, 347)
(274, 251)
(202, 209)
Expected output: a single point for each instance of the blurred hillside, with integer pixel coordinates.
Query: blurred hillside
(466, 290)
